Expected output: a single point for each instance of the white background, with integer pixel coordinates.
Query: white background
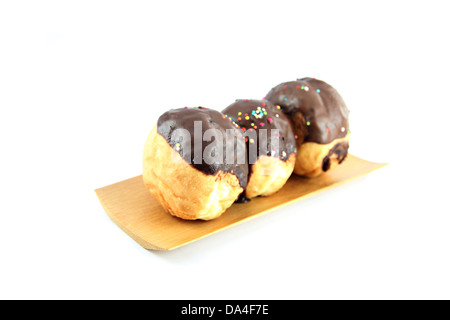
(83, 82)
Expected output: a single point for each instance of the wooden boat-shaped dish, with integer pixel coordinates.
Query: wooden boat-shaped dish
(135, 211)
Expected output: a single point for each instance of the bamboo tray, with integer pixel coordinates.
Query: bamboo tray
(135, 211)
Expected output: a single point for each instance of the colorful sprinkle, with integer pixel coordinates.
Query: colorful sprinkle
(342, 129)
(261, 124)
(285, 99)
(306, 89)
(278, 135)
(263, 104)
(296, 136)
(239, 119)
(298, 87)
(270, 119)
(239, 113)
(328, 129)
(243, 129)
(277, 115)
(308, 123)
(278, 107)
(247, 118)
(318, 90)
(285, 86)
(251, 140)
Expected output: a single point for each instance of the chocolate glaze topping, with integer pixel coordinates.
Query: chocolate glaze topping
(254, 115)
(318, 112)
(196, 153)
(340, 150)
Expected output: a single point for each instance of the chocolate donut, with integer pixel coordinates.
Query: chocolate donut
(320, 119)
(271, 144)
(195, 163)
